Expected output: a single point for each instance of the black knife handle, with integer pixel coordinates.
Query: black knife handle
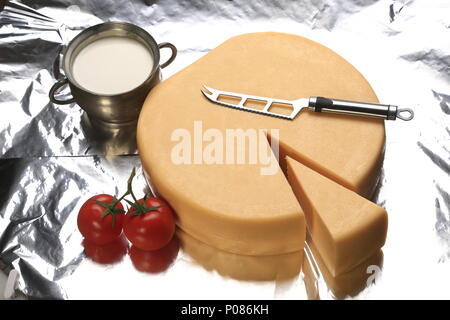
(374, 110)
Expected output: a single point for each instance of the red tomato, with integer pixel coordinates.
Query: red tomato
(95, 228)
(153, 229)
(109, 253)
(155, 261)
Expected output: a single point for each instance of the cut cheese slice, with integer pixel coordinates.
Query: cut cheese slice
(345, 227)
(232, 206)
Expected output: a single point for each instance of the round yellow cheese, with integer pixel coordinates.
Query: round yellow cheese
(235, 207)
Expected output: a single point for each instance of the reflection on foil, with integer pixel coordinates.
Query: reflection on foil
(109, 253)
(109, 140)
(240, 267)
(52, 159)
(155, 261)
(344, 285)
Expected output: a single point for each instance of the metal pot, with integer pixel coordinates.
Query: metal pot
(114, 109)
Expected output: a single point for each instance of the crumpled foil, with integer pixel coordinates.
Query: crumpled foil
(50, 163)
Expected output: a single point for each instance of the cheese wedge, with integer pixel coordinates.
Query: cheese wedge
(232, 206)
(345, 228)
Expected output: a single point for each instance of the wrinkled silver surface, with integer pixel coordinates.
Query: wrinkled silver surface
(50, 164)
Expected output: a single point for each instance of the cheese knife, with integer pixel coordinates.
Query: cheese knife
(316, 104)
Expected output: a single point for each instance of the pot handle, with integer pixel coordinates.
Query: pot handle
(55, 88)
(172, 57)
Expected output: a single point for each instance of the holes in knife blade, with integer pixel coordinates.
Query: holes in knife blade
(255, 104)
(228, 99)
(276, 107)
(281, 108)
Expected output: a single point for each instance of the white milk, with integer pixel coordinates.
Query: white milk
(112, 65)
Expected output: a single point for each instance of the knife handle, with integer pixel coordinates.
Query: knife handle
(374, 110)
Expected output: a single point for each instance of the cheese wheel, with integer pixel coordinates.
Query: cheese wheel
(345, 228)
(232, 206)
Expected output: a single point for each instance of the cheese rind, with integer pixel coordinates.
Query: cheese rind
(345, 227)
(233, 207)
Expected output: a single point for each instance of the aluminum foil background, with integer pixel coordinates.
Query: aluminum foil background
(50, 164)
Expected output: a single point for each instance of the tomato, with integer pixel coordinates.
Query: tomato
(154, 261)
(109, 253)
(151, 228)
(97, 227)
